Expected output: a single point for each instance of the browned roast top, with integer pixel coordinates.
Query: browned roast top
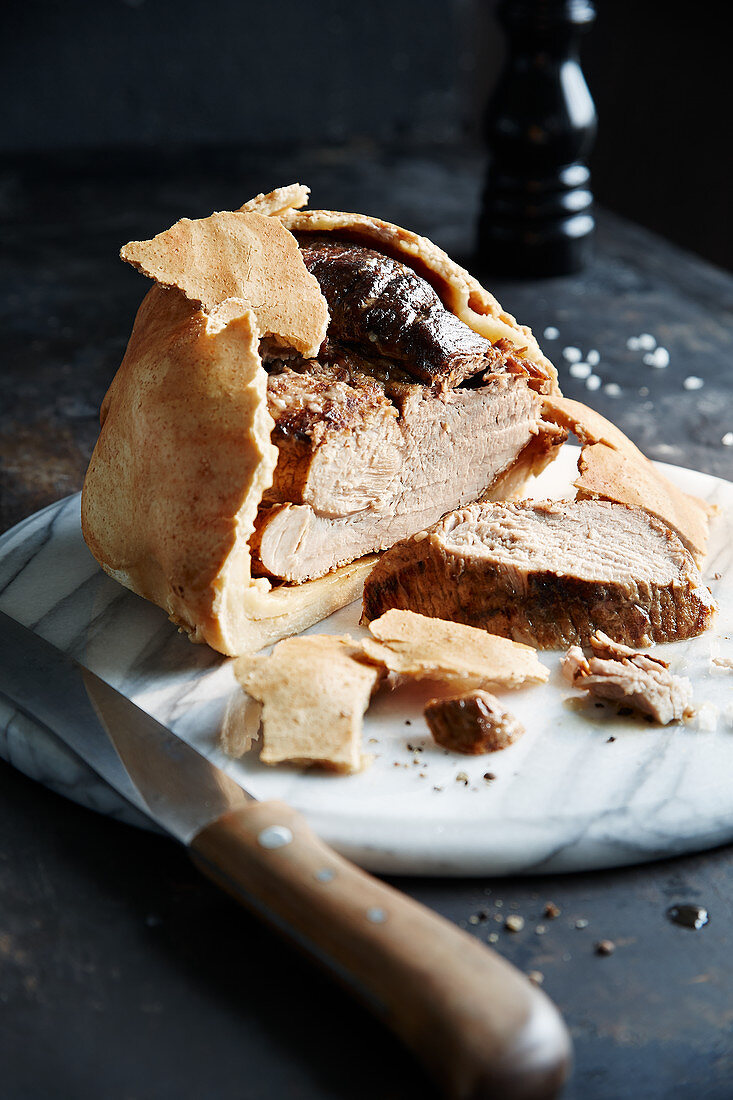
(381, 306)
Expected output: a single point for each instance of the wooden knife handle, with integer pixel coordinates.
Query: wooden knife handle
(480, 1027)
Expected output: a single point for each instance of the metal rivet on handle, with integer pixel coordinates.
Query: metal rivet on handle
(274, 836)
(376, 915)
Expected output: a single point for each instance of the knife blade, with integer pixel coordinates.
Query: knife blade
(481, 1028)
(152, 768)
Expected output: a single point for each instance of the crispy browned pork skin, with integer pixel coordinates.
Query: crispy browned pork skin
(548, 573)
(383, 307)
(367, 452)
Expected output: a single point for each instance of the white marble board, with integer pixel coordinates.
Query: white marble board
(563, 798)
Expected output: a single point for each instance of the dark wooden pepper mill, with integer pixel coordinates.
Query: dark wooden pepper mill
(537, 213)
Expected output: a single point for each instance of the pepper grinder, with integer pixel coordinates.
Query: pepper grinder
(537, 212)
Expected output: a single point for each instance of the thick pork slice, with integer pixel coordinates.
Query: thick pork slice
(548, 573)
(363, 463)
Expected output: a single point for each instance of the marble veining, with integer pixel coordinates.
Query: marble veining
(584, 788)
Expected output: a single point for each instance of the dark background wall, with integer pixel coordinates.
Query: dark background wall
(153, 75)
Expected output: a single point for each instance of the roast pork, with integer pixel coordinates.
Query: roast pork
(405, 414)
(548, 573)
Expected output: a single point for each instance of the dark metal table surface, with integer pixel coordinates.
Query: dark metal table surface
(123, 974)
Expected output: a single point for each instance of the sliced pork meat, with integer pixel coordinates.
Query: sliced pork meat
(357, 472)
(473, 723)
(405, 414)
(339, 443)
(548, 573)
(622, 675)
(382, 306)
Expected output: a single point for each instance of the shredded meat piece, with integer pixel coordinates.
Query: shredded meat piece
(621, 674)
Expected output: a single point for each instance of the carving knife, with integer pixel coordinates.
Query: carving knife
(479, 1026)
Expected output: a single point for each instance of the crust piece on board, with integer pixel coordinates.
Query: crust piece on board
(241, 724)
(420, 647)
(244, 255)
(314, 694)
(613, 468)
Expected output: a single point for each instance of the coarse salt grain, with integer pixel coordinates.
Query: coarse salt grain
(612, 389)
(579, 370)
(646, 342)
(593, 357)
(704, 718)
(593, 383)
(659, 358)
(692, 382)
(572, 355)
(551, 333)
(727, 439)
(644, 391)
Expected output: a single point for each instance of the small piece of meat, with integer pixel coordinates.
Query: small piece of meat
(355, 473)
(472, 723)
(548, 573)
(314, 691)
(621, 674)
(378, 304)
(422, 648)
